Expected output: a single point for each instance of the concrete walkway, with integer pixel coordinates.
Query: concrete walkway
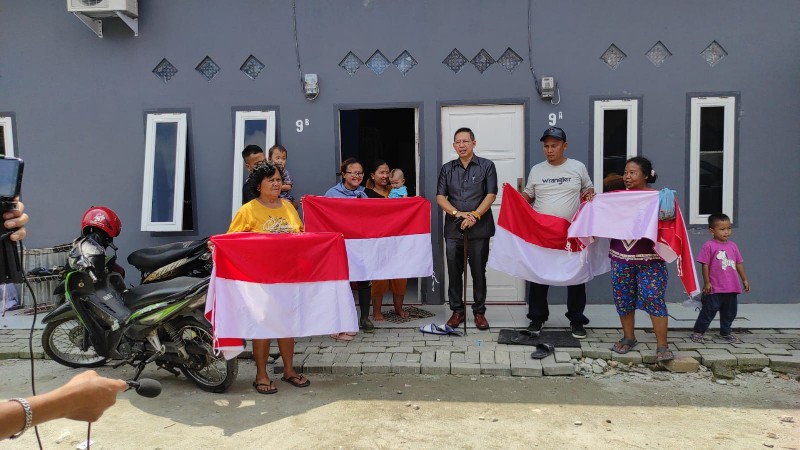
(403, 349)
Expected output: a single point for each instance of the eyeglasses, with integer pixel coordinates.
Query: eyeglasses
(355, 174)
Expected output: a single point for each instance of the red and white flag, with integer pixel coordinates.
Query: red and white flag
(534, 246)
(634, 215)
(267, 286)
(385, 239)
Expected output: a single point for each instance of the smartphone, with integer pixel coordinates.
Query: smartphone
(10, 178)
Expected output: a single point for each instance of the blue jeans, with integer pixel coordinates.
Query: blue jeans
(726, 304)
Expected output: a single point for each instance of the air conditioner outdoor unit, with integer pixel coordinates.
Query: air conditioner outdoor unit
(104, 8)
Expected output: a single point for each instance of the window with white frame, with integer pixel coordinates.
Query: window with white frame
(252, 127)
(616, 138)
(711, 155)
(164, 172)
(6, 136)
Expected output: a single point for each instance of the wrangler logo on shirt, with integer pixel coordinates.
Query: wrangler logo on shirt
(560, 180)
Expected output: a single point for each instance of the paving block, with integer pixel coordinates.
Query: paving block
(741, 351)
(596, 352)
(527, 370)
(403, 349)
(371, 349)
(682, 364)
(573, 352)
(465, 368)
(314, 364)
(406, 367)
(502, 357)
(369, 358)
(355, 358)
(443, 356)
(777, 351)
(346, 368)
(723, 372)
(719, 359)
(632, 356)
(427, 357)
(688, 345)
(457, 358)
(503, 370)
(755, 361)
(341, 357)
(788, 364)
(562, 357)
(435, 368)
(486, 357)
(376, 367)
(689, 353)
(552, 369)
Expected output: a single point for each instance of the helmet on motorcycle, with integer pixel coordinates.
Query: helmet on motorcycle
(102, 218)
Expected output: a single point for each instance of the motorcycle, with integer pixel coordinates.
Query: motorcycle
(163, 262)
(159, 322)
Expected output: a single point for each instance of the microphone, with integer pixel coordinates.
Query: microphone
(145, 387)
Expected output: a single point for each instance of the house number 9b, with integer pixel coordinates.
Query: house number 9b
(301, 124)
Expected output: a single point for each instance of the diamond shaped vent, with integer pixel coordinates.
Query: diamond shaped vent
(165, 70)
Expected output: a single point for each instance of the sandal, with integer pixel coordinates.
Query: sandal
(697, 338)
(297, 380)
(268, 388)
(345, 337)
(664, 354)
(624, 345)
(730, 339)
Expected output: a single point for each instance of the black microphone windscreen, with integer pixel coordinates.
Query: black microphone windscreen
(148, 388)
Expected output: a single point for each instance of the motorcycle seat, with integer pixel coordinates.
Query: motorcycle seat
(147, 294)
(151, 258)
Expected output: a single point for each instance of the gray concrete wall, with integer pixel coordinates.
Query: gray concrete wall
(79, 101)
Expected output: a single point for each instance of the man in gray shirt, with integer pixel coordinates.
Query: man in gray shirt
(556, 187)
(466, 189)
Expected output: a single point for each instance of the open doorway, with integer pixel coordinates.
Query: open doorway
(389, 134)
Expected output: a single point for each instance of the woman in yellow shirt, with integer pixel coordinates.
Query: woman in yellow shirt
(269, 214)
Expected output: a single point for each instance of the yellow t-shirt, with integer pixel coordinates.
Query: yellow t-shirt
(257, 218)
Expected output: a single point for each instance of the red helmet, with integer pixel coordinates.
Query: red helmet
(102, 218)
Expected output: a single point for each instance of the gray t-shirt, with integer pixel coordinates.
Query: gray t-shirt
(557, 190)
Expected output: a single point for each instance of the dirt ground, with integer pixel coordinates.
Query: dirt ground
(636, 409)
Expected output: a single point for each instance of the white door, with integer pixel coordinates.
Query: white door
(500, 136)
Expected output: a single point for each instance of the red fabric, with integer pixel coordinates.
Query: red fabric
(673, 233)
(542, 230)
(280, 258)
(367, 218)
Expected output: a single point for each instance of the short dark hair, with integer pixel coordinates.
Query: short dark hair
(646, 166)
(262, 169)
(716, 218)
(251, 149)
(347, 163)
(464, 130)
(277, 147)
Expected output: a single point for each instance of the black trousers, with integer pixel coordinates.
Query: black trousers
(478, 255)
(576, 303)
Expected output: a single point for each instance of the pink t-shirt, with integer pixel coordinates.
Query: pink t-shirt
(721, 258)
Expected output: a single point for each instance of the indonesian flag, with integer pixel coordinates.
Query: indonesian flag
(534, 246)
(385, 238)
(629, 215)
(267, 286)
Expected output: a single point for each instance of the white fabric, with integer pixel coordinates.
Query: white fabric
(266, 311)
(604, 217)
(388, 258)
(510, 254)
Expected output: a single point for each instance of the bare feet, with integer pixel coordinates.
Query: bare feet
(378, 316)
(397, 302)
(401, 312)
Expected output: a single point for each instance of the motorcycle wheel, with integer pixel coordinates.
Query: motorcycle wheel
(62, 341)
(216, 374)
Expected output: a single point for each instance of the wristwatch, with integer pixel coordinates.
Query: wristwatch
(455, 211)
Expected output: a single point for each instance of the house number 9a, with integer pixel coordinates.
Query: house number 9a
(301, 124)
(553, 118)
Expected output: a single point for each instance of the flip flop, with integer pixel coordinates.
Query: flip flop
(344, 337)
(439, 329)
(543, 351)
(664, 354)
(297, 381)
(618, 346)
(270, 387)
